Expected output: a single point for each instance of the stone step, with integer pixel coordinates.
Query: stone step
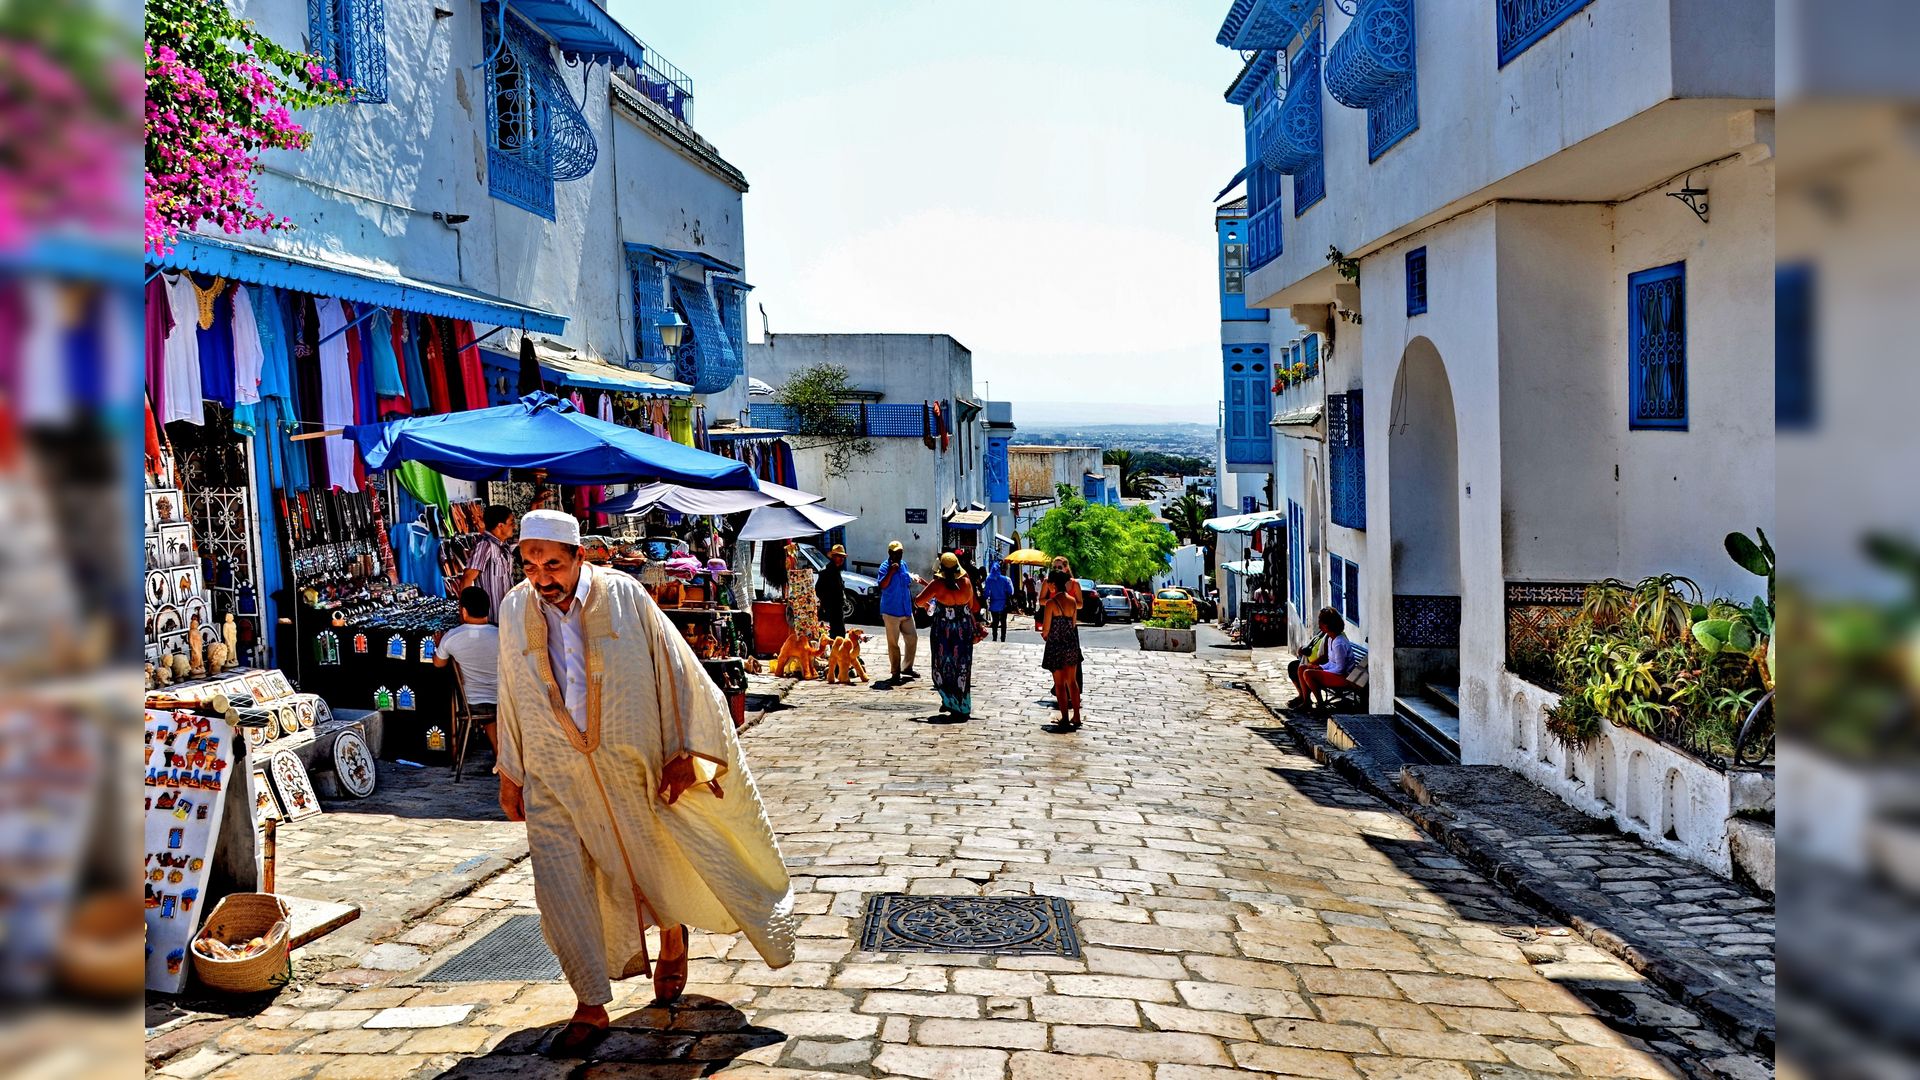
(1426, 721)
(1447, 697)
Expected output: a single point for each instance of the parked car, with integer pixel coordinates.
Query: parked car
(1115, 602)
(1093, 609)
(1168, 601)
(862, 593)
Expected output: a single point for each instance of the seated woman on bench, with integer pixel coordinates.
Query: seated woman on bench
(1335, 660)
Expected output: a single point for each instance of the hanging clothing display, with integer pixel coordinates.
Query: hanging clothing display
(433, 358)
(336, 393)
(407, 332)
(182, 375)
(216, 343)
(425, 485)
(159, 328)
(473, 373)
(378, 342)
(680, 422)
(248, 359)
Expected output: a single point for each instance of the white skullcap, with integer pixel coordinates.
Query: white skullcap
(554, 525)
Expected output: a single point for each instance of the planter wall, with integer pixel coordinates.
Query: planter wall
(1155, 639)
(1669, 799)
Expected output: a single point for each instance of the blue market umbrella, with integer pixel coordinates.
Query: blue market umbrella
(543, 432)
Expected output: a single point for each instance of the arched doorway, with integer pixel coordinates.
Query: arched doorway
(1424, 492)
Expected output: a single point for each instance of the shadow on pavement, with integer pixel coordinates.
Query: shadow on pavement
(694, 1037)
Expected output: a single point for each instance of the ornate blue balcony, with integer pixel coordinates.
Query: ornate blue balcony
(1520, 23)
(1264, 24)
(1293, 142)
(1374, 57)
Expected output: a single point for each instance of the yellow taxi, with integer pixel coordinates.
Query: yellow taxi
(1168, 601)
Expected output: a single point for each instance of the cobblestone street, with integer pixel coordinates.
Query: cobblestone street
(1242, 911)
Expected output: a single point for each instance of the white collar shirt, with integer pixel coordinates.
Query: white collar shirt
(567, 649)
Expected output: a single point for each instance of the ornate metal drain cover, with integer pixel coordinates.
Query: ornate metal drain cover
(514, 951)
(1009, 925)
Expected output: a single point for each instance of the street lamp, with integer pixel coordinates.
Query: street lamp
(672, 331)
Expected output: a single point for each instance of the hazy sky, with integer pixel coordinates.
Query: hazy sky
(1035, 178)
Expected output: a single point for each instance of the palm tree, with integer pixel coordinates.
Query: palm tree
(1134, 484)
(1188, 515)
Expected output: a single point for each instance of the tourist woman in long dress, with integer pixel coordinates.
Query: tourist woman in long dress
(956, 626)
(803, 606)
(1059, 605)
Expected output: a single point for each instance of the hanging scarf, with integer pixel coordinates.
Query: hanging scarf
(926, 423)
(407, 332)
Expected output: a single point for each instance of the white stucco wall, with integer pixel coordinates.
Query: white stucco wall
(1657, 61)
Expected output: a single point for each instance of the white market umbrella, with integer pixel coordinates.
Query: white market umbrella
(701, 503)
(788, 522)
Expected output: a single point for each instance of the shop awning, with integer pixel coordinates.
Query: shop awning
(1244, 523)
(970, 519)
(1245, 567)
(362, 283)
(743, 432)
(583, 31)
(565, 367)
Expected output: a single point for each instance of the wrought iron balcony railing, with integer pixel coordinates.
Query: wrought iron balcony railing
(1373, 59)
(1292, 141)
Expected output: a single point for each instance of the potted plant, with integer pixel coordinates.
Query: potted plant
(1169, 633)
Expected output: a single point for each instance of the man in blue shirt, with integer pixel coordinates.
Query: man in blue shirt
(999, 590)
(896, 611)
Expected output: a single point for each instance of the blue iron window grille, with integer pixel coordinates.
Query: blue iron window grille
(1347, 453)
(731, 295)
(651, 306)
(1417, 281)
(351, 37)
(1262, 108)
(1520, 23)
(1309, 185)
(708, 363)
(1372, 67)
(1795, 370)
(1296, 556)
(1657, 348)
(536, 133)
(1293, 139)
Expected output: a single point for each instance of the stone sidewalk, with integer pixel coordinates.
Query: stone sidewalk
(1706, 941)
(1243, 911)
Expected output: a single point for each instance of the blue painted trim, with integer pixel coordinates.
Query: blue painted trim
(1255, 73)
(1647, 290)
(1518, 24)
(1796, 367)
(258, 266)
(1264, 24)
(583, 31)
(1417, 281)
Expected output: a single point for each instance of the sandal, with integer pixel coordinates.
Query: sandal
(576, 1040)
(670, 973)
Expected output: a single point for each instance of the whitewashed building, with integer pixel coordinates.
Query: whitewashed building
(931, 498)
(1036, 474)
(1534, 246)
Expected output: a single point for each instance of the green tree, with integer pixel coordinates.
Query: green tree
(821, 418)
(1106, 543)
(1188, 515)
(1134, 481)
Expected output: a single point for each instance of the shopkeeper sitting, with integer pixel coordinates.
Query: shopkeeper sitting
(490, 566)
(474, 648)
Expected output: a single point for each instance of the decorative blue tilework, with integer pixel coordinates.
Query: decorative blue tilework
(1426, 622)
(1657, 348)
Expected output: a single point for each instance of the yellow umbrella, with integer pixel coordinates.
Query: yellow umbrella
(1029, 557)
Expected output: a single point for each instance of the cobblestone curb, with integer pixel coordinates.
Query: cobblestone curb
(1747, 1025)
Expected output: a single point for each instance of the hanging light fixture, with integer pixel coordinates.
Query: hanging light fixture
(672, 331)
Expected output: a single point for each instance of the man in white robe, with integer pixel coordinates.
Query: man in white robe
(619, 753)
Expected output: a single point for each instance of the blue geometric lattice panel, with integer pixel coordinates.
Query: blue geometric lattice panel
(715, 366)
(1657, 347)
(1426, 622)
(1374, 57)
(1520, 23)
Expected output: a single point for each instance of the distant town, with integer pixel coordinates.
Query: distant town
(1191, 445)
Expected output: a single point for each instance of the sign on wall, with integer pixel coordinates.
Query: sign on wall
(916, 515)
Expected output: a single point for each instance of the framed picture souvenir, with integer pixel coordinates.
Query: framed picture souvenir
(176, 545)
(165, 507)
(184, 581)
(235, 687)
(290, 782)
(266, 804)
(195, 604)
(277, 681)
(182, 823)
(152, 548)
(158, 588)
(167, 623)
(259, 686)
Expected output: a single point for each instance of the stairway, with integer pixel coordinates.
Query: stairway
(1430, 719)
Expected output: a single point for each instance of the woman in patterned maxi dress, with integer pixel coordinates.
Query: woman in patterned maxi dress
(1059, 605)
(956, 626)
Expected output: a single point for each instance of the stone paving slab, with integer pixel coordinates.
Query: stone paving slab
(1701, 938)
(1244, 910)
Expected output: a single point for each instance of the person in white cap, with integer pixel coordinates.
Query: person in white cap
(619, 753)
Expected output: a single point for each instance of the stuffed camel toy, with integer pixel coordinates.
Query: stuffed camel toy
(844, 665)
(799, 657)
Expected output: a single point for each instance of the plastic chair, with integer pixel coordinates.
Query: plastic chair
(463, 722)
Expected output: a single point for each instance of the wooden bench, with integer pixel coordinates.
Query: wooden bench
(1348, 698)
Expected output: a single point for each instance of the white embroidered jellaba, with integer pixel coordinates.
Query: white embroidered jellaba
(610, 858)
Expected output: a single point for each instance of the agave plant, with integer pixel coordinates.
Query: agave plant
(1663, 605)
(1606, 603)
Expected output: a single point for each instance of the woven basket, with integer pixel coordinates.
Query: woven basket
(238, 918)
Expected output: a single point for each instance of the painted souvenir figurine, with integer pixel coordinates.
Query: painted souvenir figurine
(196, 648)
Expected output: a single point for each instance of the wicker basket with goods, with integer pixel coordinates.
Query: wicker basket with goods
(243, 948)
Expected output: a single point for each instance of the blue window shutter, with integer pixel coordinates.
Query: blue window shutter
(1417, 281)
(1657, 348)
(1353, 593)
(1337, 582)
(650, 305)
(1347, 460)
(1795, 370)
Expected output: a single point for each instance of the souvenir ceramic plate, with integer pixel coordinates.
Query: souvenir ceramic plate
(291, 784)
(256, 737)
(304, 706)
(289, 719)
(167, 621)
(157, 587)
(273, 724)
(353, 764)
